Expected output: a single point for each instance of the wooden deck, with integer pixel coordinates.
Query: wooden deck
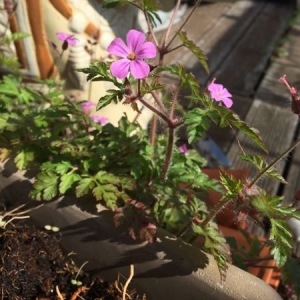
(242, 40)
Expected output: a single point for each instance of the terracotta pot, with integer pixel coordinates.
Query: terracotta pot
(264, 268)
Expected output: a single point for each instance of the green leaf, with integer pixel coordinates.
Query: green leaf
(232, 186)
(84, 186)
(63, 167)
(260, 163)
(23, 159)
(272, 207)
(100, 72)
(187, 80)
(281, 235)
(46, 186)
(194, 49)
(229, 118)
(108, 193)
(14, 37)
(9, 62)
(110, 3)
(215, 244)
(111, 96)
(198, 122)
(67, 181)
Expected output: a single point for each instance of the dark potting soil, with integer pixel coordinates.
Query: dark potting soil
(33, 266)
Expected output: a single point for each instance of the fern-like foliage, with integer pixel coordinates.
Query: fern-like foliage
(197, 51)
(280, 232)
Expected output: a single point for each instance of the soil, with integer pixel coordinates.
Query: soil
(33, 266)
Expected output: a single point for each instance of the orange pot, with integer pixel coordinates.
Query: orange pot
(264, 268)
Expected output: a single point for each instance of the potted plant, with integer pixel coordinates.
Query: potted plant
(140, 182)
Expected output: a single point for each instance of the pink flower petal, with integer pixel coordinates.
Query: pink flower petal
(62, 36)
(147, 50)
(87, 105)
(139, 69)
(120, 68)
(219, 93)
(183, 148)
(228, 102)
(66, 37)
(225, 93)
(100, 119)
(214, 87)
(118, 47)
(138, 50)
(135, 40)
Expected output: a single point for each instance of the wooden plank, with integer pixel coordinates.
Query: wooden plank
(201, 22)
(288, 52)
(221, 39)
(272, 90)
(246, 64)
(277, 128)
(288, 65)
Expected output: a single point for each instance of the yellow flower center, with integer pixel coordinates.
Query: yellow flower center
(131, 56)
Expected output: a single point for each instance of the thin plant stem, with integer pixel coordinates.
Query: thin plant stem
(174, 101)
(153, 130)
(170, 145)
(151, 30)
(175, 48)
(158, 102)
(262, 172)
(223, 202)
(157, 112)
(215, 211)
(167, 32)
(183, 24)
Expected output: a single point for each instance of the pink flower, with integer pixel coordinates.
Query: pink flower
(86, 106)
(100, 119)
(131, 55)
(67, 38)
(294, 95)
(219, 93)
(183, 148)
(291, 89)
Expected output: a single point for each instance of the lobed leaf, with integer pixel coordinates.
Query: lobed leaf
(107, 193)
(197, 51)
(232, 186)
(229, 118)
(281, 235)
(14, 37)
(23, 159)
(45, 186)
(84, 186)
(215, 244)
(272, 207)
(197, 121)
(100, 72)
(67, 181)
(260, 163)
(111, 96)
(187, 80)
